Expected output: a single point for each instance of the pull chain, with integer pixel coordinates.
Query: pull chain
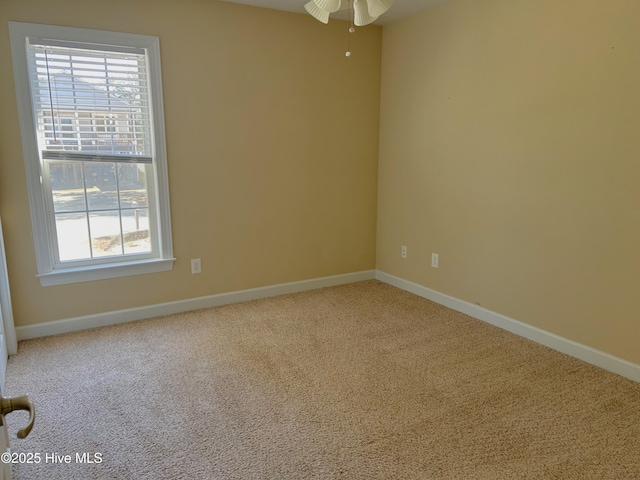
(351, 29)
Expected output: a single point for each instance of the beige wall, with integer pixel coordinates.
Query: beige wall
(510, 146)
(272, 137)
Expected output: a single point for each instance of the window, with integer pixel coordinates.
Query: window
(92, 126)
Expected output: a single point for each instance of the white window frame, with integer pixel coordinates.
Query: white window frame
(50, 273)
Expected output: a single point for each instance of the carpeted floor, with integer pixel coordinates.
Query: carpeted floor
(362, 381)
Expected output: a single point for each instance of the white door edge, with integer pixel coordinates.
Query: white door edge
(5, 302)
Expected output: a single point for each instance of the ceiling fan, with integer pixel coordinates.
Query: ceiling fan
(364, 11)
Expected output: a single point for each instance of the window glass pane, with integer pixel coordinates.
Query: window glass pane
(102, 188)
(105, 233)
(67, 185)
(73, 236)
(110, 221)
(132, 179)
(135, 226)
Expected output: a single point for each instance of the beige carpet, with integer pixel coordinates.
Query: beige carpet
(362, 381)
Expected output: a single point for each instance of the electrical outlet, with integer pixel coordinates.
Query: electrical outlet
(404, 251)
(434, 260)
(196, 266)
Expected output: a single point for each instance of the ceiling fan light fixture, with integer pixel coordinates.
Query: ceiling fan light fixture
(364, 11)
(316, 12)
(330, 6)
(361, 16)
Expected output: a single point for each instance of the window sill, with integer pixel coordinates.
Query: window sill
(102, 272)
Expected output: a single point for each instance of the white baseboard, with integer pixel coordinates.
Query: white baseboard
(121, 316)
(590, 355)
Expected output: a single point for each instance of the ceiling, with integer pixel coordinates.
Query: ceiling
(400, 9)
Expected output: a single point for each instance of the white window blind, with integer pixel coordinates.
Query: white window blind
(91, 104)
